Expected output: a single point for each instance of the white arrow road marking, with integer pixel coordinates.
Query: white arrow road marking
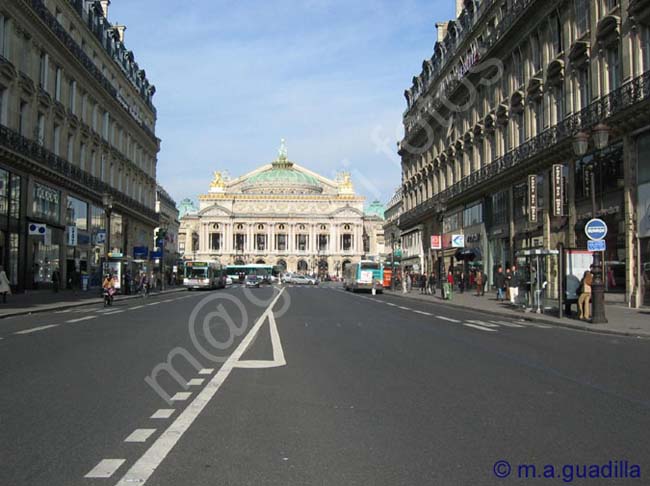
(144, 467)
(36, 329)
(480, 328)
(105, 468)
(278, 354)
(81, 319)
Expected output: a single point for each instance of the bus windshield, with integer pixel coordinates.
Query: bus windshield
(196, 272)
(369, 266)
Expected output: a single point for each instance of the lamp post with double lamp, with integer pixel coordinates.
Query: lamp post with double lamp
(580, 146)
(392, 261)
(107, 202)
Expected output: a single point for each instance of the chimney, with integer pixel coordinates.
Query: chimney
(105, 4)
(120, 32)
(460, 4)
(442, 30)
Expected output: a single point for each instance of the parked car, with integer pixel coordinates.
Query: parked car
(252, 281)
(228, 282)
(303, 280)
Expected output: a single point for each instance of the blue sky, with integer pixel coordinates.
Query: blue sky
(233, 78)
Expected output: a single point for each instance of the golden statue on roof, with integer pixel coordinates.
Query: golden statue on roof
(218, 181)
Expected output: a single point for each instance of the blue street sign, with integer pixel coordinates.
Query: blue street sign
(596, 229)
(599, 245)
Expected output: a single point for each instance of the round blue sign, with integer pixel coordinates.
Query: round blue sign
(596, 229)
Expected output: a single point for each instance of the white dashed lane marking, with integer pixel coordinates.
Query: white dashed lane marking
(163, 413)
(506, 324)
(483, 324)
(181, 396)
(480, 328)
(36, 329)
(423, 313)
(196, 382)
(106, 468)
(87, 318)
(206, 371)
(448, 319)
(140, 435)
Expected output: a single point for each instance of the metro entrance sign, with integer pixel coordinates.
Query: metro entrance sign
(596, 229)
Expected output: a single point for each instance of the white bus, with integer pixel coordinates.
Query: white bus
(364, 275)
(204, 275)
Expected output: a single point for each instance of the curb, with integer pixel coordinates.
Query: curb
(534, 318)
(72, 305)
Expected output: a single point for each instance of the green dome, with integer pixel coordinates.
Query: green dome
(376, 209)
(282, 178)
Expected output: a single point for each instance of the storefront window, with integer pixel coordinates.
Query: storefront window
(116, 231)
(499, 208)
(452, 222)
(473, 215)
(14, 246)
(14, 200)
(4, 191)
(46, 202)
(607, 167)
(77, 213)
(46, 261)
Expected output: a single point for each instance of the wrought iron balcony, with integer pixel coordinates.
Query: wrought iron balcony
(50, 20)
(32, 151)
(612, 106)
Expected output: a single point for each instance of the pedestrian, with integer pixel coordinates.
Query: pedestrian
(500, 283)
(404, 283)
(423, 284)
(431, 289)
(450, 285)
(584, 301)
(515, 283)
(409, 282)
(508, 282)
(480, 284)
(56, 278)
(5, 287)
(461, 282)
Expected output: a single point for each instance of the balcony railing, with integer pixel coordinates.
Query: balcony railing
(33, 151)
(611, 105)
(65, 38)
(510, 18)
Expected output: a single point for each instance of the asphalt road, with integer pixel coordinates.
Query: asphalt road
(313, 386)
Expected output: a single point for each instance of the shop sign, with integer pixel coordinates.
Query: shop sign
(458, 241)
(532, 198)
(72, 235)
(36, 229)
(558, 190)
(436, 242)
(473, 238)
(100, 238)
(83, 239)
(140, 252)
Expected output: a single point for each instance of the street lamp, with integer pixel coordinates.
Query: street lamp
(580, 147)
(107, 201)
(392, 261)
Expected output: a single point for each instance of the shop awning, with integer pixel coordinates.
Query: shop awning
(468, 254)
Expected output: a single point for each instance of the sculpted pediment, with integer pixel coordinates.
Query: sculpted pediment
(215, 210)
(347, 212)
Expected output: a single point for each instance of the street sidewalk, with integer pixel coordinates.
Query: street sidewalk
(622, 320)
(33, 301)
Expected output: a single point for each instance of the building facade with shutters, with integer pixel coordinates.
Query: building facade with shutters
(526, 110)
(77, 140)
(281, 214)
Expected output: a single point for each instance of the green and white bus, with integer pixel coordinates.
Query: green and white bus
(204, 275)
(364, 275)
(240, 272)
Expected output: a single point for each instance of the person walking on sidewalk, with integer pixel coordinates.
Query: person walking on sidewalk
(405, 283)
(480, 284)
(5, 288)
(423, 284)
(500, 283)
(431, 287)
(584, 301)
(515, 282)
(56, 279)
(449, 290)
(461, 282)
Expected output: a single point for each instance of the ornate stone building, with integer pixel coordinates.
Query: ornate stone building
(281, 214)
(77, 142)
(525, 110)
